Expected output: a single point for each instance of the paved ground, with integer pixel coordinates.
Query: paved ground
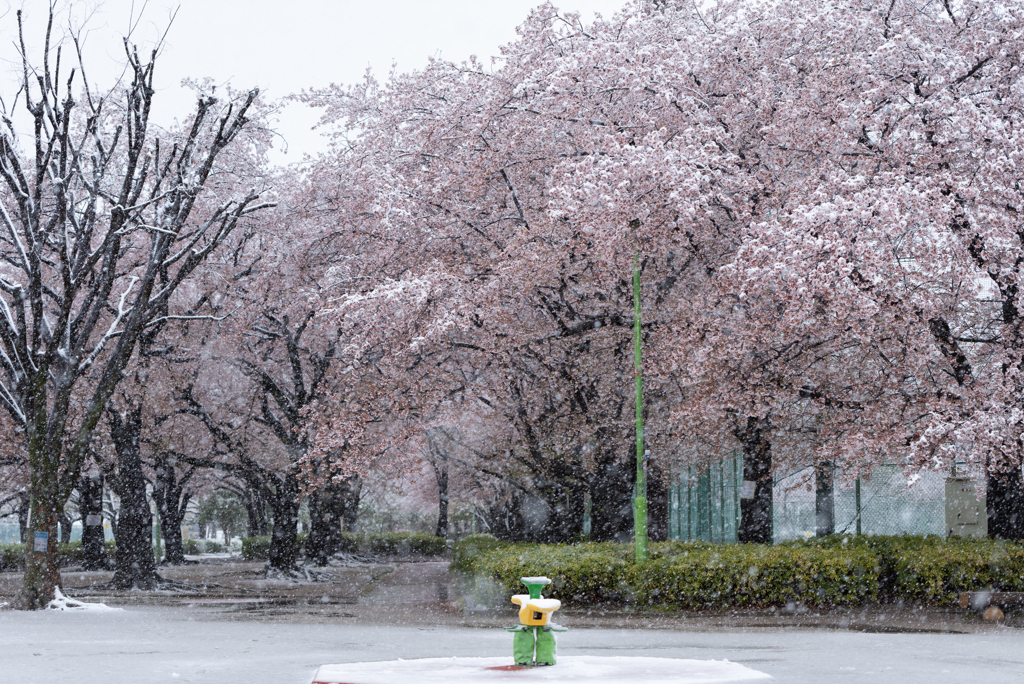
(249, 629)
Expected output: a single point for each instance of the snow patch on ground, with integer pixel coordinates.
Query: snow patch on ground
(301, 575)
(62, 602)
(591, 669)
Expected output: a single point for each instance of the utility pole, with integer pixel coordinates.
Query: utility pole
(640, 501)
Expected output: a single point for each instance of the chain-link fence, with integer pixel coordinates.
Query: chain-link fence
(705, 503)
(883, 503)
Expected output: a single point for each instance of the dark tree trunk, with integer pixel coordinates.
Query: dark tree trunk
(756, 511)
(824, 499)
(42, 571)
(441, 529)
(565, 502)
(1005, 504)
(136, 563)
(64, 520)
(327, 508)
(504, 516)
(350, 513)
(90, 503)
(657, 502)
(171, 504)
(255, 503)
(284, 504)
(611, 493)
(170, 525)
(25, 501)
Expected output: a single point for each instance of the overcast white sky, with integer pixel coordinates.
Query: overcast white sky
(281, 46)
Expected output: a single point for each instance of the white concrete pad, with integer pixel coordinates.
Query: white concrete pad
(590, 669)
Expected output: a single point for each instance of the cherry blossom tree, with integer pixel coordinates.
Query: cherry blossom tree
(871, 291)
(821, 239)
(493, 187)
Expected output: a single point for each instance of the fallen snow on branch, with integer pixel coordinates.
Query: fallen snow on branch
(590, 669)
(62, 602)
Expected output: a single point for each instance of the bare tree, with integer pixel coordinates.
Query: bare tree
(101, 220)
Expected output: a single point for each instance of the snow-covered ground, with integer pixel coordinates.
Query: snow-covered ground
(171, 644)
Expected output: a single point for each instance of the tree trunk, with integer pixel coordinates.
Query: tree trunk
(90, 503)
(441, 529)
(1005, 503)
(756, 511)
(657, 502)
(171, 504)
(136, 563)
(42, 572)
(171, 511)
(284, 549)
(350, 514)
(504, 515)
(170, 525)
(24, 506)
(611, 492)
(824, 499)
(327, 508)
(255, 502)
(64, 527)
(565, 501)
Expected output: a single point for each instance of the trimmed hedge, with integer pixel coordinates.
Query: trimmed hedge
(937, 574)
(12, 556)
(580, 574)
(195, 547)
(758, 576)
(406, 543)
(828, 571)
(466, 551)
(256, 548)
(384, 544)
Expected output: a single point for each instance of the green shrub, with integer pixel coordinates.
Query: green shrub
(936, 573)
(406, 543)
(580, 574)
(685, 575)
(671, 548)
(466, 551)
(190, 547)
(212, 546)
(256, 548)
(12, 557)
(932, 569)
(349, 543)
(827, 571)
(69, 554)
(757, 576)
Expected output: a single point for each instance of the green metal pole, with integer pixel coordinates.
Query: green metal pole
(689, 503)
(640, 502)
